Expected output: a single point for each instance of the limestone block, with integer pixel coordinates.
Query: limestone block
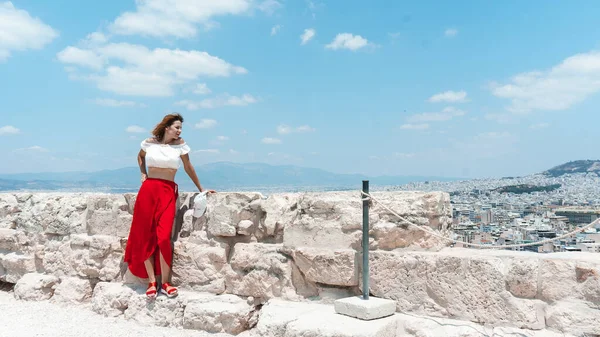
(224, 313)
(200, 266)
(108, 215)
(111, 299)
(279, 210)
(326, 323)
(261, 271)
(522, 277)
(333, 267)
(35, 287)
(245, 227)
(419, 326)
(16, 265)
(73, 290)
(162, 311)
(574, 317)
(276, 314)
(460, 284)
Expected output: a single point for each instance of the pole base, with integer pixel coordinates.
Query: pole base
(370, 309)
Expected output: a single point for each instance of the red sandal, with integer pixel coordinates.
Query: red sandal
(151, 293)
(171, 292)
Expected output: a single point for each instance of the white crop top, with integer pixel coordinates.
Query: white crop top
(164, 155)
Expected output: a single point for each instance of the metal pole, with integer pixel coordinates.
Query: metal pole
(365, 241)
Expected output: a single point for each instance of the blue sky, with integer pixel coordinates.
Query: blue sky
(455, 89)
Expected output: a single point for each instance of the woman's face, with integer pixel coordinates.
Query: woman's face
(173, 131)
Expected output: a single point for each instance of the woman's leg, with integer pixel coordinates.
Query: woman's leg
(164, 259)
(150, 269)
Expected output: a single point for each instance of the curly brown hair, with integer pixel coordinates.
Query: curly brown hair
(168, 120)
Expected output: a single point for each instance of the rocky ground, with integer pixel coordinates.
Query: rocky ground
(46, 319)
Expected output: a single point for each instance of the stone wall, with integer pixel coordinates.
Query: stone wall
(297, 246)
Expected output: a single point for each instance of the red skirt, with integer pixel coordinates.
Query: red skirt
(150, 233)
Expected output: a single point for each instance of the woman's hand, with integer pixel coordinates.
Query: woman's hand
(208, 191)
(144, 176)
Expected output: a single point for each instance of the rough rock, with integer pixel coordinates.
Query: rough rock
(16, 265)
(111, 299)
(224, 313)
(108, 215)
(162, 311)
(35, 287)
(419, 326)
(245, 227)
(73, 290)
(333, 267)
(462, 285)
(200, 266)
(574, 317)
(261, 271)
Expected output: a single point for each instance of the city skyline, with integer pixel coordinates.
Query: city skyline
(466, 90)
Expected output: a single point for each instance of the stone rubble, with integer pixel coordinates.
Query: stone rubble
(273, 266)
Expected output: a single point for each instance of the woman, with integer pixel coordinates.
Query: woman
(148, 251)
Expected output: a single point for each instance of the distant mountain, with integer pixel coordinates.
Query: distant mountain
(577, 166)
(223, 176)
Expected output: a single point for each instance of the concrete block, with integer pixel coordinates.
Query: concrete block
(370, 309)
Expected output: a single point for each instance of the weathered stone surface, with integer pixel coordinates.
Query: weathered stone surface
(162, 311)
(225, 211)
(73, 290)
(224, 313)
(260, 271)
(522, 277)
(16, 265)
(334, 267)
(419, 326)
(35, 287)
(97, 256)
(200, 266)
(574, 317)
(326, 323)
(279, 211)
(458, 284)
(108, 215)
(245, 227)
(111, 299)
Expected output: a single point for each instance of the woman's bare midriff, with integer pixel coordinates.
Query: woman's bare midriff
(161, 173)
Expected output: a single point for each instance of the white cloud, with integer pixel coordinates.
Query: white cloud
(135, 129)
(268, 140)
(80, 57)
(308, 34)
(539, 126)
(219, 101)
(35, 148)
(177, 18)
(451, 32)
(446, 114)
(109, 102)
(348, 41)
(222, 138)
(9, 130)
(403, 155)
(213, 151)
(201, 89)
(275, 29)
(558, 88)
(414, 126)
(145, 72)
(206, 124)
(19, 31)
(450, 96)
(269, 6)
(232, 151)
(286, 129)
(503, 118)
